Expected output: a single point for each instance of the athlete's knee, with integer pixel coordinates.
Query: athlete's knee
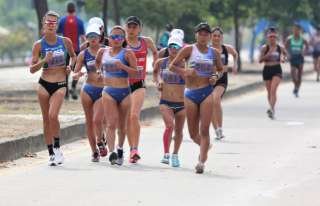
(53, 116)
(97, 121)
(204, 131)
(112, 124)
(134, 117)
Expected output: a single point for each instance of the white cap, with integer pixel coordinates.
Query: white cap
(175, 40)
(96, 20)
(178, 33)
(93, 28)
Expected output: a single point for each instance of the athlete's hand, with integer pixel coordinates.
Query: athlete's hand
(213, 80)
(76, 76)
(68, 70)
(99, 74)
(190, 72)
(119, 64)
(160, 86)
(48, 56)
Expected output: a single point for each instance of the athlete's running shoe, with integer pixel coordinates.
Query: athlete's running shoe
(59, 159)
(120, 156)
(113, 158)
(166, 159)
(95, 157)
(134, 156)
(296, 93)
(73, 93)
(270, 114)
(52, 161)
(199, 168)
(219, 134)
(102, 149)
(175, 160)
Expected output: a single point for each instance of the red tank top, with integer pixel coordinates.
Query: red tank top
(141, 53)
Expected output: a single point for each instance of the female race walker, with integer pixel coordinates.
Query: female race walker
(222, 83)
(139, 45)
(171, 86)
(117, 62)
(272, 54)
(50, 53)
(202, 61)
(91, 93)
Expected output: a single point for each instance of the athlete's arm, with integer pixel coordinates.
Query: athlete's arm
(132, 60)
(37, 64)
(153, 48)
(263, 56)
(72, 54)
(235, 56)
(84, 45)
(183, 54)
(99, 60)
(79, 64)
(218, 61)
(156, 70)
(162, 52)
(284, 55)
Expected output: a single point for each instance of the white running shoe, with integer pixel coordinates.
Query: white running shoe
(52, 161)
(59, 159)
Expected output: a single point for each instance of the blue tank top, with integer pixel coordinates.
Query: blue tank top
(89, 61)
(168, 76)
(108, 64)
(202, 63)
(59, 53)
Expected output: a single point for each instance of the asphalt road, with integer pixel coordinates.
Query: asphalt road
(261, 162)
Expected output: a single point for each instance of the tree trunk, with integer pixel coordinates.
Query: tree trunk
(41, 7)
(237, 33)
(157, 35)
(116, 12)
(105, 14)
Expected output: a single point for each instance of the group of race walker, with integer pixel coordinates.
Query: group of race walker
(191, 80)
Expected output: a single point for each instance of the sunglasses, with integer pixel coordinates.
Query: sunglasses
(174, 46)
(93, 36)
(117, 37)
(51, 23)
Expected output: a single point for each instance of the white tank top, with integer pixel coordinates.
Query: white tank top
(202, 63)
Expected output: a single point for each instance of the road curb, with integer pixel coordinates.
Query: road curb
(31, 143)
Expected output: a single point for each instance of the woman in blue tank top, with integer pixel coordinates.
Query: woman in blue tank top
(91, 93)
(49, 54)
(171, 86)
(116, 63)
(200, 76)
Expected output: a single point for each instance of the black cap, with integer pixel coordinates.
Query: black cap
(133, 20)
(203, 26)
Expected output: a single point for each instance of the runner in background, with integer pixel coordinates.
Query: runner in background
(91, 92)
(222, 84)
(315, 43)
(71, 26)
(272, 55)
(297, 47)
(139, 45)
